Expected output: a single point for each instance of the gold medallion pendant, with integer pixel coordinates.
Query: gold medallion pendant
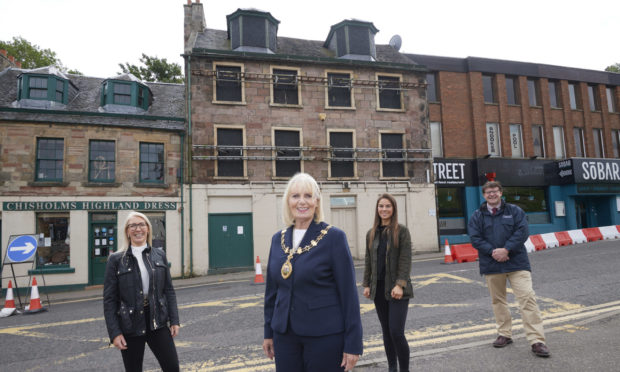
(286, 269)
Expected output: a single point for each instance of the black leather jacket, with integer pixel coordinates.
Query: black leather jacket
(123, 300)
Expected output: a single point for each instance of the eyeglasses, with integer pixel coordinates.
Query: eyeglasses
(133, 226)
(492, 192)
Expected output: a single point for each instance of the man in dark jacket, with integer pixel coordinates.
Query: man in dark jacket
(498, 230)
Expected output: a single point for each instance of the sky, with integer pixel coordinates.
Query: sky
(94, 36)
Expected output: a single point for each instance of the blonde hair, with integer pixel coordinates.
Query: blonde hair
(307, 183)
(149, 235)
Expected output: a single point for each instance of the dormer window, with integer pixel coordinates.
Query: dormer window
(42, 87)
(252, 30)
(126, 96)
(353, 39)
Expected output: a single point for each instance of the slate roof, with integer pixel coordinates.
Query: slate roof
(498, 66)
(311, 49)
(167, 111)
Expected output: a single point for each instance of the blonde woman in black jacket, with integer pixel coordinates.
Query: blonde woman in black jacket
(139, 302)
(387, 279)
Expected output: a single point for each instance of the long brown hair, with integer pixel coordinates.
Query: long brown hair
(392, 227)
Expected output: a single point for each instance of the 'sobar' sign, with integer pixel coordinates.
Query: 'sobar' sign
(22, 248)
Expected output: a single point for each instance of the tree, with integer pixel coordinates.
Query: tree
(31, 56)
(154, 69)
(613, 68)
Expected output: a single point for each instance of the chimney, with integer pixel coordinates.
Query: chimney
(18, 64)
(194, 22)
(12, 59)
(3, 52)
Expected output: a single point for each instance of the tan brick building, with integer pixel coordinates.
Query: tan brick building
(551, 134)
(263, 107)
(76, 154)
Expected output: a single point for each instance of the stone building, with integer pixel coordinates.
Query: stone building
(76, 154)
(263, 107)
(550, 134)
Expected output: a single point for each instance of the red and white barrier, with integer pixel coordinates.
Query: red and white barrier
(610, 232)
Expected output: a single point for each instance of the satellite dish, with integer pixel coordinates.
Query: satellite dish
(396, 42)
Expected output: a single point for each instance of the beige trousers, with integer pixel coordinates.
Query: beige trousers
(521, 284)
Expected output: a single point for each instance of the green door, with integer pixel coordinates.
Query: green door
(102, 242)
(230, 241)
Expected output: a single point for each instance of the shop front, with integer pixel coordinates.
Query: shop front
(75, 237)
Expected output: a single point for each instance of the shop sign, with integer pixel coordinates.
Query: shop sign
(87, 205)
(596, 171)
(598, 189)
(452, 171)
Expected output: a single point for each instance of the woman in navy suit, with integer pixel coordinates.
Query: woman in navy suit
(312, 311)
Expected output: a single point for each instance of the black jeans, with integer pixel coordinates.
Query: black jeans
(392, 316)
(161, 344)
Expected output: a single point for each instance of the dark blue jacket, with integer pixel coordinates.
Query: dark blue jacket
(507, 229)
(320, 297)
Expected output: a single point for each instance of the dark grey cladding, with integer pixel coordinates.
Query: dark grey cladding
(251, 30)
(498, 66)
(166, 112)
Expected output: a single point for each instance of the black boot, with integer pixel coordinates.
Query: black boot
(392, 368)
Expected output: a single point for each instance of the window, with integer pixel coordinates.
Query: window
(389, 93)
(102, 165)
(151, 162)
(436, 140)
(54, 241)
(288, 154)
(232, 165)
(285, 87)
(538, 140)
(595, 102)
(339, 90)
(599, 148)
(533, 92)
(558, 142)
(60, 89)
(343, 161)
(532, 200)
(122, 94)
(516, 140)
(38, 87)
(50, 155)
(158, 221)
(580, 146)
(450, 210)
(611, 99)
(431, 87)
(493, 142)
(575, 98)
(392, 146)
(615, 141)
(555, 99)
(488, 87)
(228, 83)
(512, 91)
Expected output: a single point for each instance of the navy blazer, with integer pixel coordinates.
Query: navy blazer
(320, 297)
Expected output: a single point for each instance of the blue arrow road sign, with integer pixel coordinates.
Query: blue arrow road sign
(22, 248)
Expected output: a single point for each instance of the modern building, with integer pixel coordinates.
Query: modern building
(550, 134)
(76, 154)
(263, 107)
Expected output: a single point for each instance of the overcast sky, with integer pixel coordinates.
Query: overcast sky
(94, 36)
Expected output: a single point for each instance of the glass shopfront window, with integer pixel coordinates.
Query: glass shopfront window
(54, 246)
(451, 210)
(532, 200)
(158, 221)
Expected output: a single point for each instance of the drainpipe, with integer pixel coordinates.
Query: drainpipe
(182, 209)
(188, 71)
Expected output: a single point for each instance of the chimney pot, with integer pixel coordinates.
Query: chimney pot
(189, 2)
(3, 52)
(11, 58)
(18, 64)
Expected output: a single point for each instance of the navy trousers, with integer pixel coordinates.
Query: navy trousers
(308, 354)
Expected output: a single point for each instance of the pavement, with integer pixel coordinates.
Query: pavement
(93, 292)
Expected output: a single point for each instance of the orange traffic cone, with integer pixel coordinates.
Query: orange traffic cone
(35, 302)
(9, 304)
(258, 278)
(447, 258)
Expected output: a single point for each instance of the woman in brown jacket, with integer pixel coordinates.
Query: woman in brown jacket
(387, 279)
